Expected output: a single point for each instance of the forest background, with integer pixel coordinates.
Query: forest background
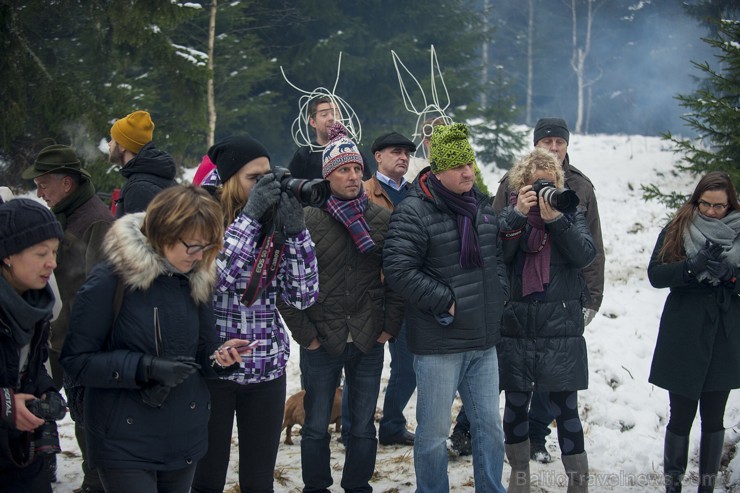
(69, 68)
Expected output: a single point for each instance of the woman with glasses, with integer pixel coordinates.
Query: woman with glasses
(141, 341)
(697, 354)
(267, 253)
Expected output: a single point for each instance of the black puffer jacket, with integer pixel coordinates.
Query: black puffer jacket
(147, 174)
(543, 347)
(29, 313)
(162, 314)
(422, 263)
(352, 297)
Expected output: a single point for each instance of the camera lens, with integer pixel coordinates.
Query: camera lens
(314, 193)
(561, 199)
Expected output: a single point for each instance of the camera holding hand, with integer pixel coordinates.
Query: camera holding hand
(50, 409)
(561, 199)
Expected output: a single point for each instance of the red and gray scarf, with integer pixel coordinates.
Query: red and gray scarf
(351, 213)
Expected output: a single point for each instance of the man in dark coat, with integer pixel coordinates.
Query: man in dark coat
(349, 325)
(443, 255)
(147, 170)
(67, 189)
(307, 162)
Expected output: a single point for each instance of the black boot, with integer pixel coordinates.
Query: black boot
(710, 455)
(675, 457)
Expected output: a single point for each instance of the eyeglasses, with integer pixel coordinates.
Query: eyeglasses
(195, 249)
(704, 206)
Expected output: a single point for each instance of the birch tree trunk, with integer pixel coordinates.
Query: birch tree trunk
(578, 59)
(211, 95)
(530, 63)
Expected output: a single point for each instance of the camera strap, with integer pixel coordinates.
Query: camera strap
(265, 266)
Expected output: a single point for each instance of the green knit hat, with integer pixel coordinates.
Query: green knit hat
(449, 147)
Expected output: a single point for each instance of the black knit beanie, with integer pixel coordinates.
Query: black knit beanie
(24, 223)
(551, 127)
(230, 154)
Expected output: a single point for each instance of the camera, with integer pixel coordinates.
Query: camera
(308, 192)
(561, 199)
(53, 408)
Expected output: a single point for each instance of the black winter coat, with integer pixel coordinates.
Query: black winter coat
(352, 297)
(422, 263)
(31, 313)
(162, 314)
(698, 346)
(147, 174)
(542, 348)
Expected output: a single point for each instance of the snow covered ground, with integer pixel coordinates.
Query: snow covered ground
(624, 416)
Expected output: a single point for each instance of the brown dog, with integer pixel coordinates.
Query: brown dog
(296, 415)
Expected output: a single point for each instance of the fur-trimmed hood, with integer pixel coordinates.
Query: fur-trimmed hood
(138, 265)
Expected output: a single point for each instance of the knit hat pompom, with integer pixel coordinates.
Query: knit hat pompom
(133, 131)
(449, 147)
(340, 150)
(25, 223)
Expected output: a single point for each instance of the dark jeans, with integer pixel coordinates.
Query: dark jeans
(711, 407)
(259, 411)
(362, 372)
(29, 479)
(540, 417)
(146, 481)
(401, 386)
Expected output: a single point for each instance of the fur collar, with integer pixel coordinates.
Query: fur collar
(135, 261)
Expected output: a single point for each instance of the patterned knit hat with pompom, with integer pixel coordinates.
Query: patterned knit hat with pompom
(339, 151)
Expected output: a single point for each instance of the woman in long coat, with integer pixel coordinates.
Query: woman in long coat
(542, 347)
(141, 340)
(697, 355)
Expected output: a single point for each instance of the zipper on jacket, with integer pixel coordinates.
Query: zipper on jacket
(157, 333)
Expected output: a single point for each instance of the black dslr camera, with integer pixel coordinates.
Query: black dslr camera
(308, 192)
(51, 409)
(561, 199)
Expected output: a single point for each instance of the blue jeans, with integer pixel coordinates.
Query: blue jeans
(401, 386)
(540, 417)
(362, 372)
(474, 374)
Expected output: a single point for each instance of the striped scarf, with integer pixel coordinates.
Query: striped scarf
(351, 213)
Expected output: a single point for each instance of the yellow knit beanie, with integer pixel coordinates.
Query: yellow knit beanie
(133, 131)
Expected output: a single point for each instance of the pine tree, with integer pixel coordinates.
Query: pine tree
(714, 113)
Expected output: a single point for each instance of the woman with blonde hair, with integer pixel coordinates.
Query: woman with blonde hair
(267, 253)
(697, 354)
(542, 347)
(141, 341)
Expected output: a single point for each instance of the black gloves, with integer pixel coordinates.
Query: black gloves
(264, 194)
(698, 263)
(290, 215)
(720, 270)
(167, 371)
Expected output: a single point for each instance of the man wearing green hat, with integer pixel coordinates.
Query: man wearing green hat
(443, 255)
(65, 186)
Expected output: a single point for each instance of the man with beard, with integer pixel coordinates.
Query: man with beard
(147, 170)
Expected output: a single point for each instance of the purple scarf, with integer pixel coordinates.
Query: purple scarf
(351, 213)
(465, 207)
(536, 271)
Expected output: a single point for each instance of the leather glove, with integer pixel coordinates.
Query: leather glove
(290, 215)
(588, 316)
(720, 270)
(167, 371)
(698, 263)
(155, 395)
(264, 194)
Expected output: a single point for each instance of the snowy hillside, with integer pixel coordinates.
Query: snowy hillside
(624, 416)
